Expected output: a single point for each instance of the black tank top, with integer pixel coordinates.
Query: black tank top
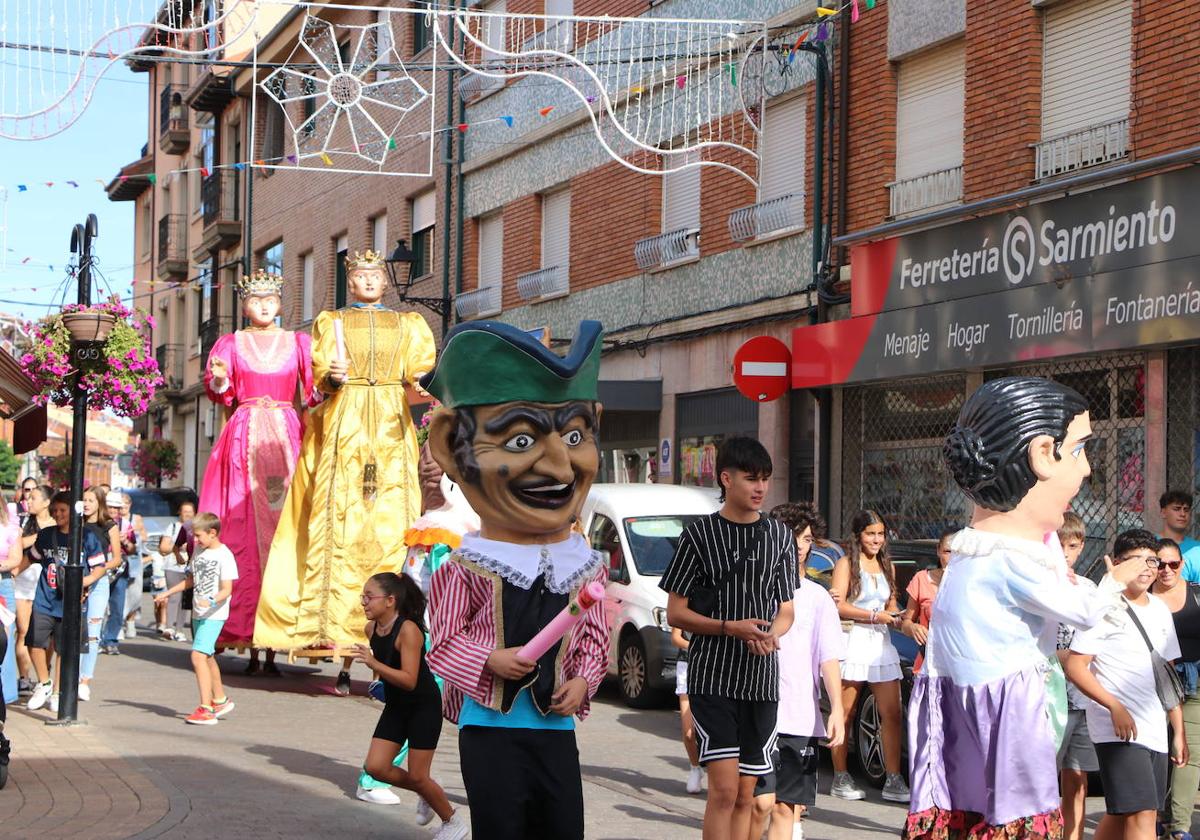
(384, 649)
(1187, 626)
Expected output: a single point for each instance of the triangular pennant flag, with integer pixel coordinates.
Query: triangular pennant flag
(153, 178)
(681, 82)
(25, 261)
(239, 166)
(100, 181)
(822, 32)
(203, 171)
(391, 142)
(854, 11)
(292, 158)
(545, 112)
(822, 11)
(22, 188)
(49, 183)
(326, 159)
(591, 99)
(508, 121)
(637, 89)
(121, 178)
(51, 268)
(462, 128)
(74, 184)
(870, 5)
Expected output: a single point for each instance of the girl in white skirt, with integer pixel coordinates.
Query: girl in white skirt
(864, 587)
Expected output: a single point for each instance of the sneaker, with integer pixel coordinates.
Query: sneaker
(1180, 835)
(798, 830)
(844, 787)
(130, 629)
(52, 703)
(695, 780)
(5, 748)
(25, 686)
(41, 693)
(377, 796)
(202, 717)
(342, 688)
(223, 708)
(85, 692)
(452, 829)
(121, 635)
(425, 813)
(114, 650)
(895, 789)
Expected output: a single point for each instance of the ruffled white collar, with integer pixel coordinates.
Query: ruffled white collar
(969, 543)
(564, 565)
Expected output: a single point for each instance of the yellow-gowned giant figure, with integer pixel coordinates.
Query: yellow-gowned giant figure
(355, 491)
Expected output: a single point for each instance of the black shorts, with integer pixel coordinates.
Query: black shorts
(1134, 777)
(43, 627)
(419, 722)
(796, 764)
(741, 729)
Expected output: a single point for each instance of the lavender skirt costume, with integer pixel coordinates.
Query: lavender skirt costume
(981, 744)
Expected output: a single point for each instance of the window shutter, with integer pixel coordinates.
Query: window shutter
(929, 112)
(783, 149)
(681, 195)
(306, 291)
(491, 251)
(379, 234)
(1086, 65)
(556, 229)
(424, 209)
(560, 8)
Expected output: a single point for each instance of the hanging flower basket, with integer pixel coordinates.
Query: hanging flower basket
(89, 327)
(118, 372)
(155, 461)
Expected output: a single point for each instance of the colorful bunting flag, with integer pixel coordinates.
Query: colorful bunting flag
(854, 11)
(508, 121)
(822, 11)
(681, 82)
(822, 32)
(76, 184)
(328, 161)
(292, 158)
(203, 171)
(391, 142)
(462, 128)
(22, 188)
(152, 178)
(545, 112)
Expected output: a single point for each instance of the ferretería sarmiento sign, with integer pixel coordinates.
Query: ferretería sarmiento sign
(1097, 232)
(1115, 268)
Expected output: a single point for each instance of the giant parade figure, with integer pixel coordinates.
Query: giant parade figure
(355, 491)
(982, 741)
(255, 373)
(518, 628)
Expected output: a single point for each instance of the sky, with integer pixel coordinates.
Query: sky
(109, 134)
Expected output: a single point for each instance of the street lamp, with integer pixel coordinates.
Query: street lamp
(400, 269)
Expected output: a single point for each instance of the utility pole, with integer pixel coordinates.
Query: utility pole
(72, 583)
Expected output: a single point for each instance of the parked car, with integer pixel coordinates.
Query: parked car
(637, 527)
(159, 509)
(866, 739)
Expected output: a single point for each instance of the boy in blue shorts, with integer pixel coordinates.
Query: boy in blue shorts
(211, 575)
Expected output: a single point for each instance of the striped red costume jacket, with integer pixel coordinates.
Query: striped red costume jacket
(466, 625)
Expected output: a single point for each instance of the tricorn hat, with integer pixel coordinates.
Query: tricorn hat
(488, 362)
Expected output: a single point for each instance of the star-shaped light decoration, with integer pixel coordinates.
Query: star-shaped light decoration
(344, 104)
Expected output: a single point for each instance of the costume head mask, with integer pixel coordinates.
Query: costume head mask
(1020, 437)
(366, 276)
(518, 431)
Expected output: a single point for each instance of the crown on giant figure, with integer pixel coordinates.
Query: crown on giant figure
(367, 259)
(261, 282)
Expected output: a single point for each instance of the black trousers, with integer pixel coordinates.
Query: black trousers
(522, 784)
(3, 651)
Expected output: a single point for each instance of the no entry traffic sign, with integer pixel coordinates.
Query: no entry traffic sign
(762, 369)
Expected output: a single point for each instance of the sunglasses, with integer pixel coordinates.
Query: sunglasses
(1170, 564)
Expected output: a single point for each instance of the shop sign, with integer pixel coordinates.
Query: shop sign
(1137, 307)
(1149, 220)
(664, 457)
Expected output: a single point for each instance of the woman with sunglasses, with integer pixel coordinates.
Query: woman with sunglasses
(1183, 599)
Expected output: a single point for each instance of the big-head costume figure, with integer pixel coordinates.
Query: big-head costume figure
(518, 434)
(982, 746)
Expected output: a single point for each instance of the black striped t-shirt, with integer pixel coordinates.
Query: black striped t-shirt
(723, 665)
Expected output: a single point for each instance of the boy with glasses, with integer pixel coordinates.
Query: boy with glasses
(1112, 664)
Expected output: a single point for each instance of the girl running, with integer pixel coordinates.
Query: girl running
(412, 709)
(865, 590)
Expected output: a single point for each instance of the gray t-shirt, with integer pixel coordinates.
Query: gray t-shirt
(210, 566)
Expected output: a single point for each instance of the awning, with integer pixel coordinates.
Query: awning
(16, 393)
(631, 395)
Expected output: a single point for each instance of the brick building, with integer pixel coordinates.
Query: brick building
(1019, 199)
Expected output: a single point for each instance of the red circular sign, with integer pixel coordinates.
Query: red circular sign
(762, 369)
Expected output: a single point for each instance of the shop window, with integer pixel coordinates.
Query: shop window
(703, 422)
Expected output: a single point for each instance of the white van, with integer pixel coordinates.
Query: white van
(637, 526)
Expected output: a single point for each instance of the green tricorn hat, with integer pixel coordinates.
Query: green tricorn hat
(489, 362)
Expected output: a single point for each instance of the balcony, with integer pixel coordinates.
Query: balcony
(220, 210)
(785, 213)
(473, 86)
(544, 283)
(480, 303)
(210, 331)
(170, 365)
(210, 92)
(172, 247)
(926, 192)
(1081, 149)
(173, 135)
(666, 249)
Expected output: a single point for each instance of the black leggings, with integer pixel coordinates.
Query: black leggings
(3, 653)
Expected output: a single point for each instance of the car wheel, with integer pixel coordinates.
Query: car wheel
(868, 741)
(631, 668)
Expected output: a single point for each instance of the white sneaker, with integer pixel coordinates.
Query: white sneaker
(52, 704)
(452, 829)
(377, 796)
(130, 629)
(798, 830)
(41, 693)
(695, 781)
(424, 812)
(85, 692)
(844, 788)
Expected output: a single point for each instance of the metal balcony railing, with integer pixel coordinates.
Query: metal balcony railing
(172, 238)
(219, 197)
(479, 303)
(210, 331)
(924, 192)
(544, 283)
(767, 217)
(667, 248)
(1080, 149)
(559, 35)
(172, 113)
(170, 365)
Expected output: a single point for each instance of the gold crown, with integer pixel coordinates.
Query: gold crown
(368, 259)
(261, 282)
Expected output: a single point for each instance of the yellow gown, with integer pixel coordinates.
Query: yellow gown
(355, 490)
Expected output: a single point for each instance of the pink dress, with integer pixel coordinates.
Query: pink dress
(247, 477)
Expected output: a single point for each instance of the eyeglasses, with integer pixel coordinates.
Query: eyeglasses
(1151, 561)
(366, 599)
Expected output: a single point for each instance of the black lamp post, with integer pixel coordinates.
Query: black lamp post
(72, 585)
(399, 266)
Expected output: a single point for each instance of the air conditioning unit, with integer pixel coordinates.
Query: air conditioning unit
(208, 423)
